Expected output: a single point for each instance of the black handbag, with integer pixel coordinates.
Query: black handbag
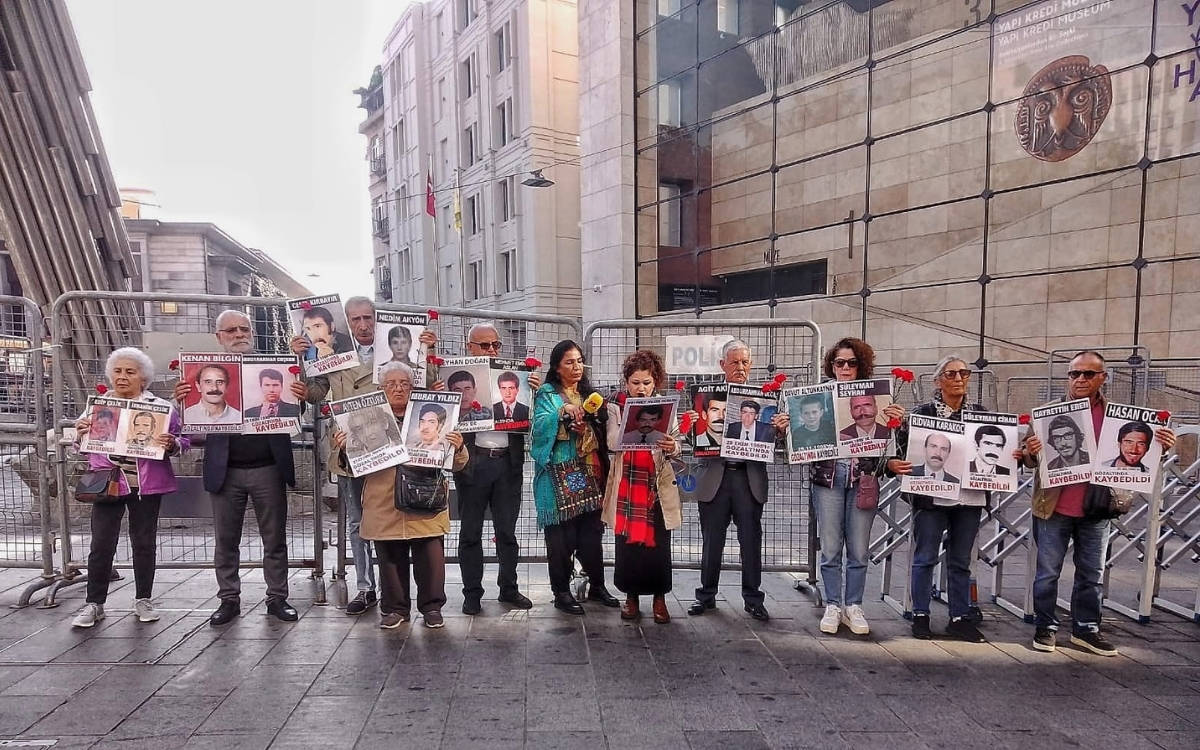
(102, 486)
(1102, 503)
(421, 490)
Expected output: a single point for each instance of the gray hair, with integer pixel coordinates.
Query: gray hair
(940, 367)
(230, 313)
(480, 326)
(391, 367)
(732, 346)
(144, 364)
(359, 300)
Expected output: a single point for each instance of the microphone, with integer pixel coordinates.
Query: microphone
(593, 403)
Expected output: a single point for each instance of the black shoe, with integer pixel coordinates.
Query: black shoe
(565, 602)
(920, 627)
(517, 599)
(1045, 639)
(964, 630)
(281, 610)
(698, 607)
(471, 605)
(1094, 642)
(600, 594)
(229, 609)
(758, 612)
(361, 603)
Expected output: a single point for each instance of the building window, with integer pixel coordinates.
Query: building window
(439, 100)
(503, 47)
(470, 144)
(443, 161)
(400, 142)
(505, 199)
(670, 104)
(795, 280)
(508, 271)
(504, 123)
(670, 217)
(402, 202)
(727, 16)
(475, 279)
(468, 71)
(468, 10)
(379, 218)
(669, 7)
(449, 225)
(383, 278)
(438, 30)
(378, 166)
(473, 215)
(404, 268)
(446, 285)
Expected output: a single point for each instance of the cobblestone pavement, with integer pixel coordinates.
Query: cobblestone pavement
(541, 679)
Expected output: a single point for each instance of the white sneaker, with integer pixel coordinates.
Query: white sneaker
(145, 611)
(855, 620)
(88, 616)
(831, 619)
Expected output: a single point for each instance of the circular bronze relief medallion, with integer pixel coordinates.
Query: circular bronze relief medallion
(1063, 107)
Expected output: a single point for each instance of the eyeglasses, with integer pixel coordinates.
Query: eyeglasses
(956, 374)
(393, 386)
(235, 329)
(492, 345)
(845, 363)
(1085, 374)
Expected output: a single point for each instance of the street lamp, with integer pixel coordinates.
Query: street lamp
(535, 179)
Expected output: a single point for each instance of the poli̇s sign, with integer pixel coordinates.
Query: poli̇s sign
(695, 355)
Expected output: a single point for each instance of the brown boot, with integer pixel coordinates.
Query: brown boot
(629, 610)
(661, 615)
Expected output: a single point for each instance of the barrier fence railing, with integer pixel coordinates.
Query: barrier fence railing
(168, 324)
(26, 518)
(788, 346)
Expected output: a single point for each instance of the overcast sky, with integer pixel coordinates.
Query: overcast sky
(241, 113)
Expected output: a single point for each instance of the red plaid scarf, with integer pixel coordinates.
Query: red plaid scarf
(636, 497)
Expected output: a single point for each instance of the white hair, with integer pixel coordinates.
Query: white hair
(732, 346)
(359, 300)
(940, 367)
(391, 367)
(482, 325)
(230, 313)
(144, 364)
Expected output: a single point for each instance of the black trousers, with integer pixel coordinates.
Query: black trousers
(493, 484)
(581, 537)
(427, 559)
(733, 502)
(143, 537)
(264, 487)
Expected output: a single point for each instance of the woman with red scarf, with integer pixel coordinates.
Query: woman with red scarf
(641, 501)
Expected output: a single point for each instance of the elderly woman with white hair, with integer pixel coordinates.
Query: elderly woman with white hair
(141, 481)
(933, 517)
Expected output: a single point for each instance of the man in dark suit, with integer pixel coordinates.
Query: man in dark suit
(937, 450)
(863, 411)
(270, 382)
(728, 490)
(508, 409)
(748, 427)
(493, 478)
(989, 447)
(237, 468)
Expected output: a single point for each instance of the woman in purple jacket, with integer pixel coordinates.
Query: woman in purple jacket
(142, 483)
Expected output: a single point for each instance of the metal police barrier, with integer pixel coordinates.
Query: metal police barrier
(167, 324)
(522, 335)
(26, 517)
(788, 346)
(1173, 583)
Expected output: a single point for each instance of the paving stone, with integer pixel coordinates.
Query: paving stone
(557, 740)
(56, 679)
(167, 716)
(19, 713)
(720, 740)
(239, 741)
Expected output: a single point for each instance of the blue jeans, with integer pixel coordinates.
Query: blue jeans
(350, 492)
(962, 521)
(842, 525)
(1052, 536)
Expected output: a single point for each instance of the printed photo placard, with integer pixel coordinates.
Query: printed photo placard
(373, 439)
(430, 416)
(935, 449)
(990, 441)
(862, 428)
(1127, 455)
(215, 401)
(749, 435)
(322, 321)
(471, 377)
(645, 421)
(270, 406)
(812, 435)
(1068, 442)
(708, 431)
(398, 339)
(512, 395)
(121, 427)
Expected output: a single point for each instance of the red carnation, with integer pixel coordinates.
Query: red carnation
(433, 314)
(434, 359)
(533, 362)
(101, 388)
(685, 423)
(1164, 415)
(780, 378)
(893, 423)
(305, 305)
(898, 373)
(294, 369)
(908, 376)
(1024, 419)
(325, 410)
(680, 385)
(475, 405)
(174, 365)
(770, 387)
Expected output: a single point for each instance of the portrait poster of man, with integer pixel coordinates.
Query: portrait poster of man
(708, 431)
(1128, 456)
(1065, 430)
(645, 421)
(373, 439)
(430, 416)
(398, 339)
(215, 401)
(748, 437)
(472, 378)
(858, 416)
(322, 321)
(105, 416)
(141, 423)
(938, 455)
(990, 441)
(267, 394)
(512, 395)
(812, 436)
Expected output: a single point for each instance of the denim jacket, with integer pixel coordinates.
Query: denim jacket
(155, 476)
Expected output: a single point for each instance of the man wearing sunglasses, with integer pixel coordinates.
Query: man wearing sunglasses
(360, 315)
(492, 479)
(1059, 519)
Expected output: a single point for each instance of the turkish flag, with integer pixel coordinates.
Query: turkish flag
(429, 207)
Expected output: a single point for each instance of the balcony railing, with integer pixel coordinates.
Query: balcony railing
(378, 166)
(382, 227)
